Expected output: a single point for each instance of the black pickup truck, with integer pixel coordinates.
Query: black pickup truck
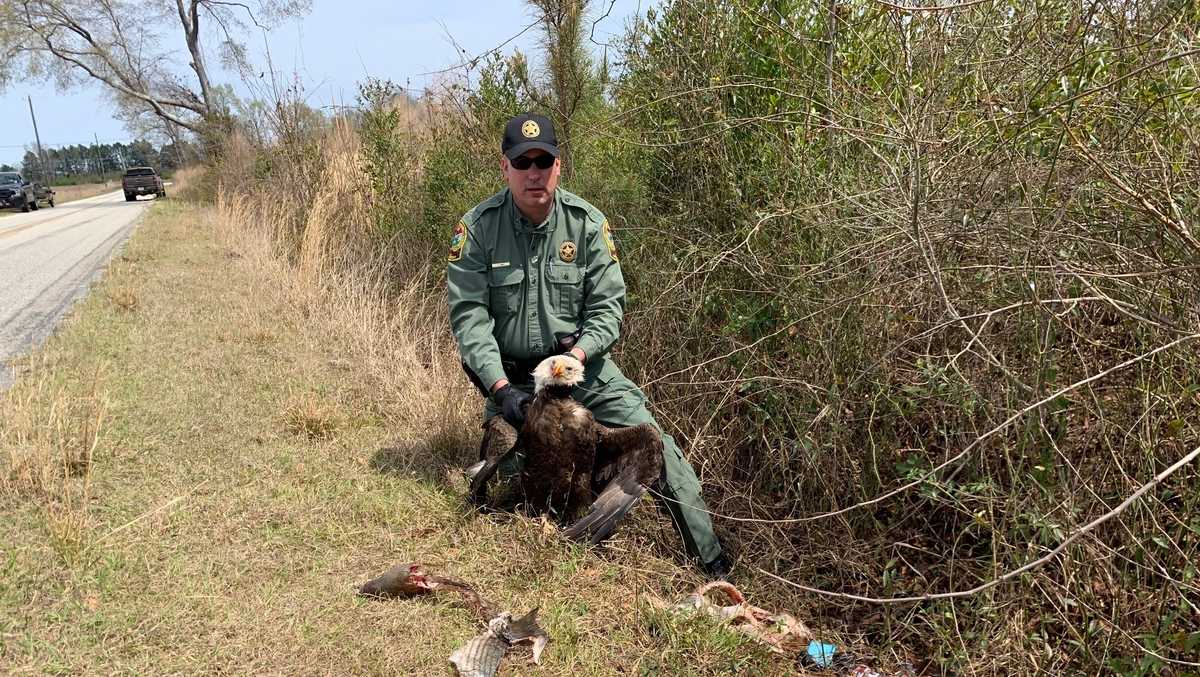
(142, 181)
(17, 193)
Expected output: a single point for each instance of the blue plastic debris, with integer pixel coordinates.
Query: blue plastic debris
(821, 654)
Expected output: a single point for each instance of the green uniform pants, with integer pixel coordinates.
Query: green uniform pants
(617, 402)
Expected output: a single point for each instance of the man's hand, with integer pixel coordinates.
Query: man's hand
(512, 403)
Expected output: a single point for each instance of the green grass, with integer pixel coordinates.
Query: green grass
(244, 481)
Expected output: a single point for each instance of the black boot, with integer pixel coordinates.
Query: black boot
(718, 568)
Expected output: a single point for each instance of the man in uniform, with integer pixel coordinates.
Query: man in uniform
(533, 272)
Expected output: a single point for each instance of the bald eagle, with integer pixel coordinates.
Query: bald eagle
(569, 457)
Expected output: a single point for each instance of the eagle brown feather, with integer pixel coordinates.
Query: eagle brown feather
(569, 456)
(559, 442)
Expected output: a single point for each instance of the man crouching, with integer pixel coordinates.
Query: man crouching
(533, 271)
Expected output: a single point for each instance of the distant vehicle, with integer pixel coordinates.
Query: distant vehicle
(17, 193)
(142, 181)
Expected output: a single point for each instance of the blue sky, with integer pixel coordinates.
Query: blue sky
(336, 45)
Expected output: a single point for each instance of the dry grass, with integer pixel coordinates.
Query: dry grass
(124, 298)
(207, 536)
(187, 181)
(46, 446)
(83, 190)
(48, 443)
(308, 414)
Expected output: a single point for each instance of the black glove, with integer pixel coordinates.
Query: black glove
(512, 403)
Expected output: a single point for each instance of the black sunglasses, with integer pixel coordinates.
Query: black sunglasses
(522, 162)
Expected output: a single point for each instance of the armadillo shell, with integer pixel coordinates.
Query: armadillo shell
(479, 657)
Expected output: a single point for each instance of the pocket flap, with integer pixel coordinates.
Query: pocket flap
(503, 277)
(567, 274)
(608, 371)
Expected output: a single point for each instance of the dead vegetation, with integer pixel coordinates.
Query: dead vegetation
(63, 194)
(48, 440)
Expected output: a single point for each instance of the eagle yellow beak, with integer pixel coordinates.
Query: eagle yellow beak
(557, 370)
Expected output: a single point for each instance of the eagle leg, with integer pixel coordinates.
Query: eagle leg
(581, 492)
(634, 459)
(498, 445)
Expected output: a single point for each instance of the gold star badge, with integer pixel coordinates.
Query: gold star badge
(567, 252)
(530, 129)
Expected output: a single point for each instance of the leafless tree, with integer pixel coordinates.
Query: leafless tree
(126, 46)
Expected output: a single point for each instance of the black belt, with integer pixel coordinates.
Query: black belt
(520, 372)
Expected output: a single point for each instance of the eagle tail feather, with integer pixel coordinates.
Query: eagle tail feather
(632, 457)
(609, 508)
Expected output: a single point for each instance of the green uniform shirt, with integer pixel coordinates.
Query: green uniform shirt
(513, 285)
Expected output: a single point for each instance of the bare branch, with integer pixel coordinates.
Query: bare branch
(1090, 526)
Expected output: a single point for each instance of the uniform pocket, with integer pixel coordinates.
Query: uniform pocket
(607, 372)
(505, 289)
(566, 289)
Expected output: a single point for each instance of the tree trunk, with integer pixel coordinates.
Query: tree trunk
(190, 18)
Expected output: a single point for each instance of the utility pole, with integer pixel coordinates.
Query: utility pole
(41, 156)
(99, 160)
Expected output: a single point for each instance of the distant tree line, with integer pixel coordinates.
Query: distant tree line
(66, 163)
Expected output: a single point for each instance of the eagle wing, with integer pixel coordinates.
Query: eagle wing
(632, 460)
(499, 443)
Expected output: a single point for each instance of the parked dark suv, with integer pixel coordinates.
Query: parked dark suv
(16, 192)
(142, 181)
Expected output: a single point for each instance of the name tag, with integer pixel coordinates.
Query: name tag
(502, 265)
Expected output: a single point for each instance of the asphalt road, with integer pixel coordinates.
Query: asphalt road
(48, 259)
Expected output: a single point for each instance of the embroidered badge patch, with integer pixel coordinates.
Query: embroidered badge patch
(458, 242)
(530, 129)
(567, 252)
(608, 240)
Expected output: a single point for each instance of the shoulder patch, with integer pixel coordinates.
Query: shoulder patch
(458, 242)
(606, 231)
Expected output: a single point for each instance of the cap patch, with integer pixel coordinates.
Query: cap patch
(567, 252)
(530, 129)
(608, 240)
(458, 242)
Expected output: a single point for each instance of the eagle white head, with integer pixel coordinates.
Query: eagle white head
(558, 370)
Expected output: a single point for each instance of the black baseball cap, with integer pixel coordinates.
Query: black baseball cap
(526, 132)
